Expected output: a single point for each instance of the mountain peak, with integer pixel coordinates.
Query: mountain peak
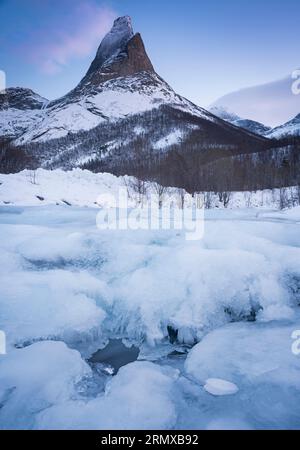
(123, 22)
(115, 41)
(120, 53)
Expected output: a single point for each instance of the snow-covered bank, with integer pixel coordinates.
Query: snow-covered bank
(82, 188)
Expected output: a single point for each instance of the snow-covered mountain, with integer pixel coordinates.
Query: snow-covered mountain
(250, 125)
(120, 106)
(19, 110)
(289, 129)
(272, 103)
(121, 81)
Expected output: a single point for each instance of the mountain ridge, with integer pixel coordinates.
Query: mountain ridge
(248, 124)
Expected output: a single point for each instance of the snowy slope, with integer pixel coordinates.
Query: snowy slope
(289, 129)
(15, 122)
(113, 100)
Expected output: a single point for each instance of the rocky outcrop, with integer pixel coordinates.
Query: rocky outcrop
(131, 60)
(121, 53)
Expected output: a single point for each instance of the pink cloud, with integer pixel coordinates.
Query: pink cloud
(75, 37)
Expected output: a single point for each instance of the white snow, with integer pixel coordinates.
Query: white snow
(291, 128)
(14, 122)
(138, 130)
(57, 123)
(82, 188)
(78, 187)
(108, 104)
(117, 104)
(171, 139)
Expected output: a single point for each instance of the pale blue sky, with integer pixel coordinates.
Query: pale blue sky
(204, 49)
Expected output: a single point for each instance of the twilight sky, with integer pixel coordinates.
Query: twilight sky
(204, 49)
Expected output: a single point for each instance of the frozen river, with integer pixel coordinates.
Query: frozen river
(213, 323)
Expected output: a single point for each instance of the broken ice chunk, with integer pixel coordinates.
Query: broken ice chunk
(218, 387)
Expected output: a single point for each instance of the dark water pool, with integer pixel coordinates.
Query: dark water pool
(115, 355)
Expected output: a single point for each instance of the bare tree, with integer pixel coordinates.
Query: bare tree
(248, 197)
(208, 199)
(225, 198)
(298, 193)
(32, 176)
(138, 186)
(181, 195)
(283, 198)
(160, 191)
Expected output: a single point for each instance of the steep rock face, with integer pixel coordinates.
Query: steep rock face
(114, 43)
(132, 59)
(121, 53)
